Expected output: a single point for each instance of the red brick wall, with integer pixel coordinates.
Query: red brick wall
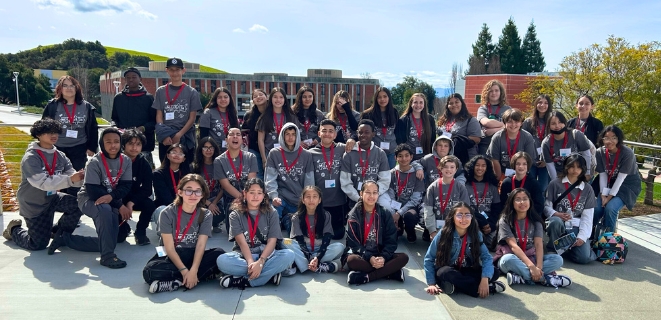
(514, 84)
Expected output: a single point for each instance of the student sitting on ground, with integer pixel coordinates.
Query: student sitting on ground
(185, 227)
(205, 154)
(522, 162)
(405, 193)
(521, 250)
(372, 238)
(311, 221)
(443, 146)
(457, 260)
(167, 177)
(482, 188)
(255, 230)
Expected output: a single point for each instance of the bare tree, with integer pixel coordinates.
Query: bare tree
(80, 72)
(456, 74)
(366, 75)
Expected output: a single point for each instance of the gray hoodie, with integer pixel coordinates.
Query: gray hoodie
(283, 184)
(429, 164)
(33, 192)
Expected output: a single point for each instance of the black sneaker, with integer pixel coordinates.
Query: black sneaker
(12, 224)
(162, 286)
(357, 278)
(398, 275)
(447, 287)
(141, 240)
(276, 279)
(496, 287)
(113, 263)
(56, 243)
(327, 267)
(411, 236)
(234, 282)
(426, 236)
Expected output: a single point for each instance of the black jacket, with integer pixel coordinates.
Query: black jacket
(163, 188)
(595, 126)
(353, 124)
(133, 109)
(386, 233)
(531, 185)
(142, 180)
(403, 128)
(461, 146)
(91, 127)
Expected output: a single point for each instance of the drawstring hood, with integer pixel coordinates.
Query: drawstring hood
(281, 138)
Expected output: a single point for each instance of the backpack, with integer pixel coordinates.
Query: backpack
(611, 248)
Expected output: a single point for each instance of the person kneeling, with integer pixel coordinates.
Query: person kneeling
(185, 227)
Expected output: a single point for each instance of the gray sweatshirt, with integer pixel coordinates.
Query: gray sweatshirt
(33, 192)
(498, 148)
(95, 173)
(432, 204)
(222, 169)
(430, 162)
(412, 189)
(283, 184)
(351, 174)
(329, 181)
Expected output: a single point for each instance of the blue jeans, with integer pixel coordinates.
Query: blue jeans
(333, 252)
(580, 255)
(155, 216)
(609, 213)
(391, 160)
(510, 262)
(542, 176)
(285, 221)
(260, 164)
(232, 263)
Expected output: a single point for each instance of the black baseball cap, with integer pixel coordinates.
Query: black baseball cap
(132, 69)
(175, 62)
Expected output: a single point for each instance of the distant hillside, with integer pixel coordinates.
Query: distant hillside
(111, 51)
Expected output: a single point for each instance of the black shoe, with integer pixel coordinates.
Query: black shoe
(398, 275)
(400, 232)
(162, 286)
(426, 236)
(357, 278)
(141, 240)
(447, 287)
(276, 279)
(496, 287)
(113, 263)
(411, 237)
(234, 282)
(56, 243)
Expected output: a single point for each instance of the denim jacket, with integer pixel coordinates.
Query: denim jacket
(430, 268)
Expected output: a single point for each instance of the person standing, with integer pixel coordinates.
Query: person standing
(585, 122)
(490, 114)
(219, 116)
(384, 116)
(248, 128)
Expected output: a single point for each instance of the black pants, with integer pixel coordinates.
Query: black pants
(466, 280)
(162, 268)
(76, 154)
(357, 263)
(338, 220)
(146, 207)
(163, 151)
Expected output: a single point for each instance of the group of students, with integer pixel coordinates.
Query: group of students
(367, 178)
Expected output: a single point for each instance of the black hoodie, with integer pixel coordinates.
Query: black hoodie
(133, 109)
(142, 180)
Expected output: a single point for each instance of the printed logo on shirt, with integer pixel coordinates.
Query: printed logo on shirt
(295, 174)
(181, 109)
(78, 121)
(189, 239)
(55, 173)
(413, 134)
(218, 128)
(564, 206)
(371, 170)
(504, 159)
(486, 206)
(321, 168)
(437, 206)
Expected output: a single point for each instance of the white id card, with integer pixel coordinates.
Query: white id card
(276, 145)
(440, 224)
(606, 191)
(447, 134)
(418, 150)
(395, 205)
(360, 186)
(72, 134)
(509, 172)
(329, 184)
(169, 116)
(539, 150)
(224, 145)
(384, 145)
(307, 141)
(160, 251)
(576, 222)
(565, 152)
(51, 192)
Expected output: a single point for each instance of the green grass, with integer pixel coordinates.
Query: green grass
(111, 50)
(13, 143)
(657, 192)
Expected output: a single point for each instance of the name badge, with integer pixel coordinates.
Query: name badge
(307, 141)
(539, 150)
(395, 205)
(224, 144)
(509, 172)
(576, 222)
(169, 116)
(384, 145)
(50, 193)
(447, 134)
(160, 251)
(72, 134)
(418, 150)
(440, 224)
(360, 186)
(276, 145)
(329, 184)
(606, 191)
(565, 152)
(484, 214)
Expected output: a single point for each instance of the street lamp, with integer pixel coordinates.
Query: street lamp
(18, 103)
(116, 83)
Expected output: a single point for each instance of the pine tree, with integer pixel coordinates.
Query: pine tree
(532, 51)
(509, 49)
(483, 52)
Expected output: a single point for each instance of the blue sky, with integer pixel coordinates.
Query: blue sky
(389, 39)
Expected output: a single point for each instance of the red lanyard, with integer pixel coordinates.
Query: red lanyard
(497, 110)
(226, 125)
(167, 93)
(449, 125)
(541, 128)
(284, 159)
(368, 226)
(400, 186)
(367, 161)
(343, 121)
(512, 150)
(521, 241)
(564, 144)
(437, 169)
(444, 204)
(179, 238)
(310, 231)
(574, 202)
(237, 174)
(50, 169)
(460, 260)
(252, 230)
(611, 169)
(580, 126)
(384, 128)
(210, 182)
(113, 181)
(484, 194)
(418, 126)
(278, 126)
(174, 183)
(523, 181)
(307, 125)
(329, 164)
(73, 112)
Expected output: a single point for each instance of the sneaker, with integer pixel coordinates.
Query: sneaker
(289, 272)
(411, 237)
(426, 236)
(217, 229)
(113, 263)
(141, 240)
(215, 276)
(398, 275)
(327, 267)
(496, 287)
(276, 279)
(234, 282)
(357, 278)
(56, 243)
(557, 281)
(447, 287)
(513, 278)
(162, 286)
(12, 224)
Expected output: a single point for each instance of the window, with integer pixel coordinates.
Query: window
(317, 71)
(478, 98)
(286, 87)
(323, 89)
(327, 72)
(258, 84)
(358, 90)
(346, 87)
(239, 103)
(357, 107)
(334, 88)
(197, 84)
(228, 85)
(243, 87)
(323, 106)
(213, 85)
(271, 86)
(298, 87)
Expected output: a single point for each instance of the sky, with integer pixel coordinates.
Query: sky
(388, 39)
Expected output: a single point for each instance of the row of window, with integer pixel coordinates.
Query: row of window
(197, 84)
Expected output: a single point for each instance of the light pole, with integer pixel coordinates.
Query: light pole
(18, 103)
(116, 83)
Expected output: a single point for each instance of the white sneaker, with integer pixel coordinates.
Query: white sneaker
(513, 278)
(557, 281)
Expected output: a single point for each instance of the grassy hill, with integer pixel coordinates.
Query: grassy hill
(111, 50)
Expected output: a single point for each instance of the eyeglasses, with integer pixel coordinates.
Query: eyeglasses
(208, 148)
(463, 216)
(608, 139)
(521, 200)
(66, 86)
(177, 154)
(190, 192)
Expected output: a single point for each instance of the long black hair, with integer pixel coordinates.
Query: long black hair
(509, 213)
(165, 164)
(461, 116)
(319, 215)
(374, 111)
(489, 176)
(231, 108)
(265, 121)
(444, 248)
(302, 113)
(569, 162)
(198, 164)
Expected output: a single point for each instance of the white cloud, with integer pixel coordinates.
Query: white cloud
(238, 30)
(98, 6)
(52, 27)
(258, 28)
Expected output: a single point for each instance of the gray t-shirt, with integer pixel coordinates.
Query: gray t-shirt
(491, 197)
(95, 173)
(585, 201)
(310, 129)
(409, 184)
(389, 137)
(373, 164)
(499, 150)
(343, 122)
(268, 227)
(538, 134)
(433, 199)
(271, 135)
(218, 125)
(177, 112)
(167, 224)
(332, 194)
(576, 141)
(412, 136)
(78, 126)
(290, 183)
(246, 163)
(214, 186)
(469, 127)
(626, 163)
(535, 230)
(297, 231)
(494, 112)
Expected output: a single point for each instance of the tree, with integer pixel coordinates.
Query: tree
(455, 74)
(509, 49)
(366, 75)
(532, 51)
(402, 92)
(483, 52)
